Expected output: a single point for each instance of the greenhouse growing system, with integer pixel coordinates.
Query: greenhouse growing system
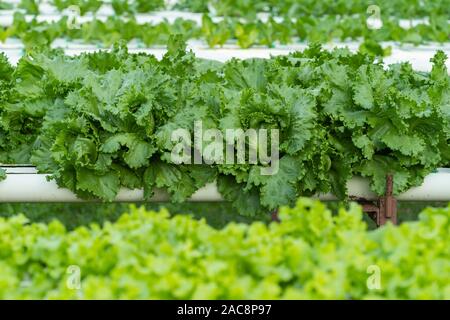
(225, 150)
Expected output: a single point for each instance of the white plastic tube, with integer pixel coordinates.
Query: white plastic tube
(31, 187)
(50, 14)
(420, 60)
(24, 185)
(435, 187)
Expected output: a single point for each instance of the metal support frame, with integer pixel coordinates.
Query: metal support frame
(384, 209)
(25, 184)
(381, 211)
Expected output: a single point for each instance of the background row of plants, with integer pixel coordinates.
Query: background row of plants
(247, 8)
(97, 122)
(266, 32)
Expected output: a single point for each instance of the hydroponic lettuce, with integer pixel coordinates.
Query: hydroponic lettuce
(295, 8)
(267, 32)
(310, 254)
(5, 5)
(37, 34)
(91, 6)
(119, 6)
(101, 121)
(245, 8)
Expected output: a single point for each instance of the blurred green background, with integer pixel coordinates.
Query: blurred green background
(217, 214)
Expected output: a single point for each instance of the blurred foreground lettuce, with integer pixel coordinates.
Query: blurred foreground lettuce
(150, 255)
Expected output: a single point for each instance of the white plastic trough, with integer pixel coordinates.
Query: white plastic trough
(23, 184)
(48, 13)
(419, 58)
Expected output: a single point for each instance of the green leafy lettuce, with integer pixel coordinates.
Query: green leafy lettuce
(98, 122)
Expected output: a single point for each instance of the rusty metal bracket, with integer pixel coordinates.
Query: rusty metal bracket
(380, 211)
(274, 216)
(385, 208)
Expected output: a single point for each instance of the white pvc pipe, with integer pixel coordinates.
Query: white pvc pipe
(420, 59)
(435, 187)
(51, 14)
(29, 187)
(24, 185)
(296, 44)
